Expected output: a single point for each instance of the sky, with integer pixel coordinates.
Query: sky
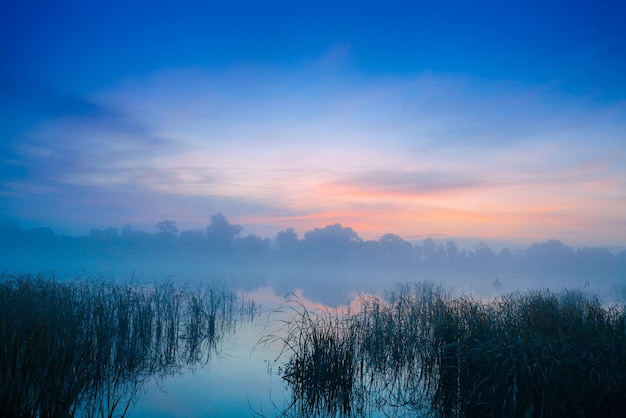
(488, 119)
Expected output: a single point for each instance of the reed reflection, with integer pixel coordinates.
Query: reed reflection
(85, 348)
(421, 352)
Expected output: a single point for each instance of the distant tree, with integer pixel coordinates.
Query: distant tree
(452, 250)
(429, 249)
(595, 260)
(192, 239)
(441, 252)
(287, 241)
(167, 227)
(484, 257)
(370, 251)
(104, 239)
(127, 232)
(252, 245)
(166, 236)
(41, 237)
(332, 233)
(41, 233)
(505, 253)
(395, 248)
(550, 249)
(463, 256)
(332, 240)
(551, 256)
(109, 234)
(483, 252)
(221, 233)
(506, 260)
(134, 240)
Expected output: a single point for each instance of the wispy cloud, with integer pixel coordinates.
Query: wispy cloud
(402, 183)
(441, 153)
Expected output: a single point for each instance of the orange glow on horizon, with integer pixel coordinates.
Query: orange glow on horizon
(531, 224)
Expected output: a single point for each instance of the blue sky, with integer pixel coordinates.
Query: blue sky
(491, 120)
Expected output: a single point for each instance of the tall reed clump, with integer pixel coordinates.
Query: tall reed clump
(537, 354)
(420, 351)
(356, 362)
(320, 369)
(85, 347)
(395, 346)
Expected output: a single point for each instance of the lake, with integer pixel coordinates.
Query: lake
(90, 347)
(236, 383)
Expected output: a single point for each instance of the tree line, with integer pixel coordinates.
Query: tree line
(334, 243)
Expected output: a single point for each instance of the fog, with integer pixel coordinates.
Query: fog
(329, 264)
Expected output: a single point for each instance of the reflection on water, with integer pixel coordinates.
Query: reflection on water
(235, 384)
(421, 352)
(87, 348)
(95, 348)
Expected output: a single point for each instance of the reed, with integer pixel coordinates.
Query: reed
(85, 347)
(320, 368)
(420, 351)
(537, 354)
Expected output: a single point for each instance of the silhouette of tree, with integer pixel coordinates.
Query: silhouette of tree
(395, 248)
(483, 253)
(127, 232)
(452, 250)
(441, 252)
(167, 227)
(429, 249)
(287, 241)
(221, 233)
(595, 260)
(192, 240)
(104, 239)
(332, 240)
(165, 239)
(41, 234)
(550, 256)
(370, 251)
(252, 245)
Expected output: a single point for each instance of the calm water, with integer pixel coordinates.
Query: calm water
(243, 380)
(236, 383)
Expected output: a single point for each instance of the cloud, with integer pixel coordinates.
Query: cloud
(303, 145)
(404, 183)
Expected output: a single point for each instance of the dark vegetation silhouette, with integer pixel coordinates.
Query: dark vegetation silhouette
(331, 254)
(86, 347)
(421, 352)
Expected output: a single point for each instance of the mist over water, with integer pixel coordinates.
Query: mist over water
(423, 127)
(328, 264)
(329, 267)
